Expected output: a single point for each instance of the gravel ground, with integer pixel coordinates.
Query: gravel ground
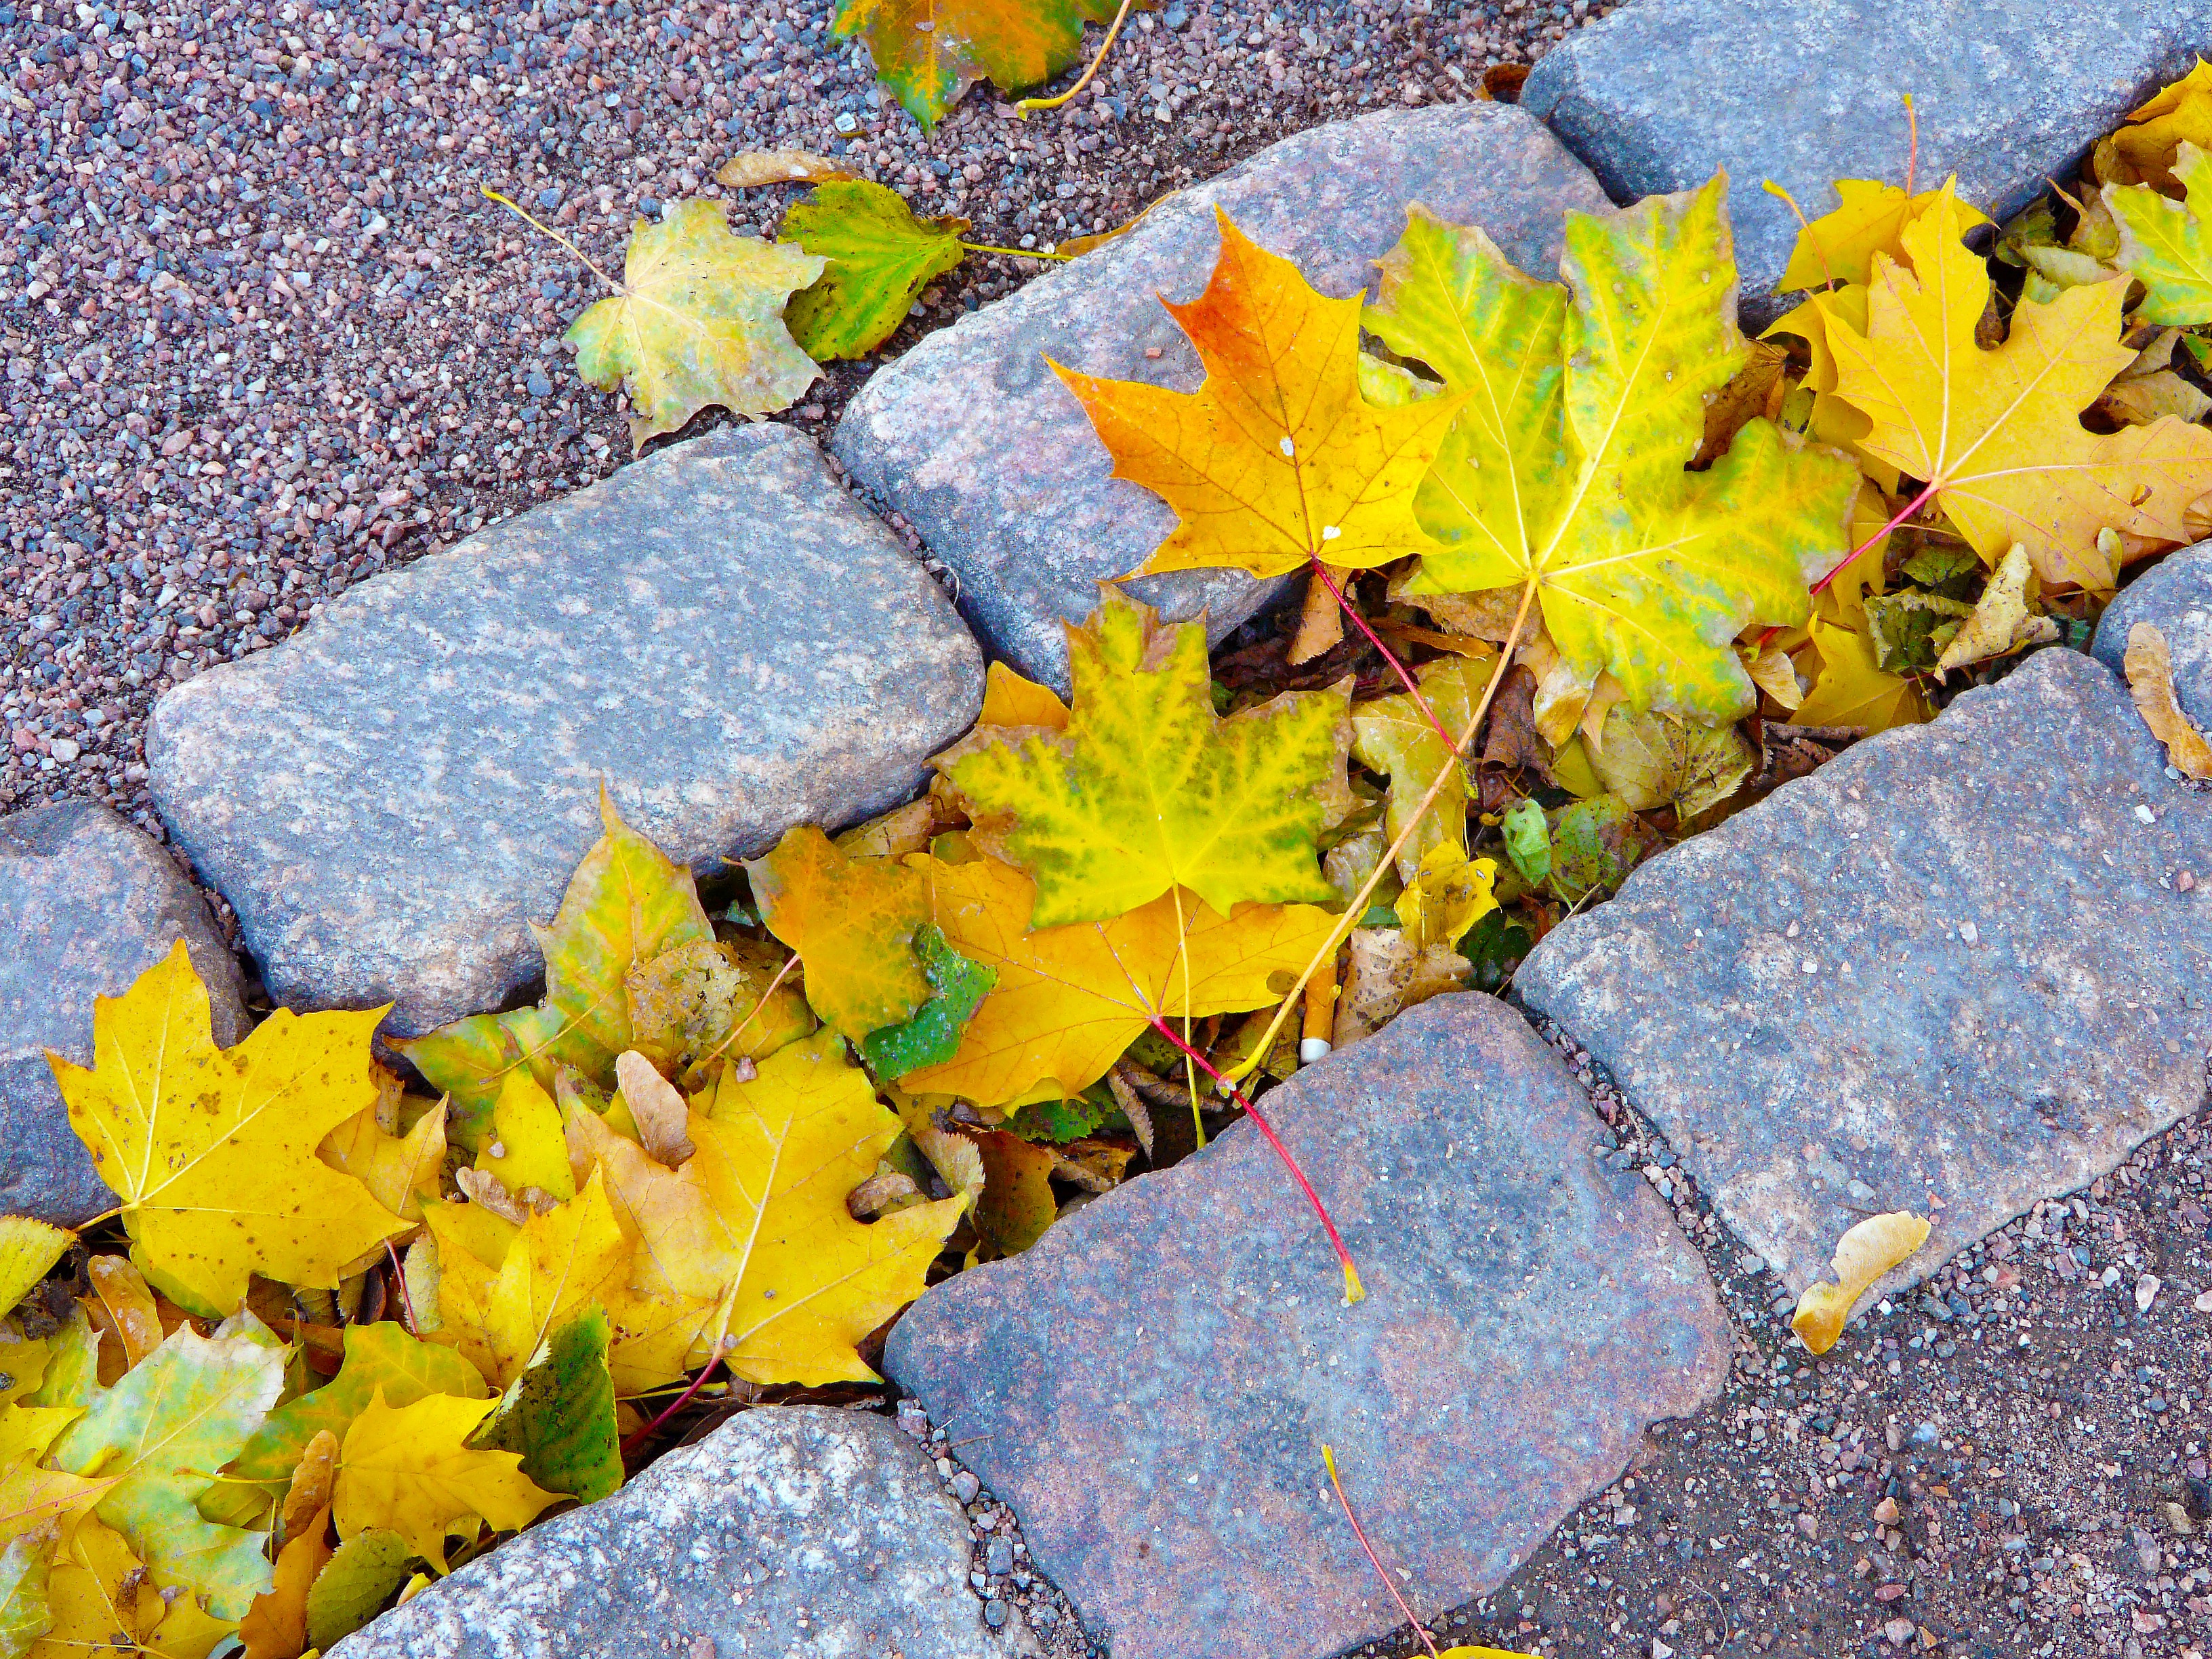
(262, 337)
(2010, 1461)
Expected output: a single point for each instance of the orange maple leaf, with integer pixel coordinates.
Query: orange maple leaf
(1277, 458)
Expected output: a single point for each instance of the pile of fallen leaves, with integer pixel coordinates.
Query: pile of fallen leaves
(1587, 570)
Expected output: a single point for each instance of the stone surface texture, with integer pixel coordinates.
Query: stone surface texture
(2175, 594)
(790, 1530)
(1660, 93)
(718, 633)
(1951, 972)
(1150, 1385)
(88, 902)
(972, 438)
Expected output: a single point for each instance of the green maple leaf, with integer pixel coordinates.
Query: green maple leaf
(881, 257)
(379, 1356)
(699, 321)
(2164, 244)
(930, 51)
(1149, 790)
(626, 903)
(1585, 403)
(161, 1433)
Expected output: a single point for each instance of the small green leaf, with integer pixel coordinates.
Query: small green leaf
(1493, 948)
(1596, 844)
(881, 257)
(364, 1573)
(2164, 245)
(1062, 1121)
(560, 1414)
(1528, 840)
(931, 1036)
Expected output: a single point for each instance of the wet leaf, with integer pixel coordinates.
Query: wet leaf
(1150, 790)
(1276, 459)
(1017, 1205)
(699, 321)
(408, 1469)
(1586, 402)
(2151, 682)
(1863, 1254)
(213, 1151)
(122, 1303)
(880, 258)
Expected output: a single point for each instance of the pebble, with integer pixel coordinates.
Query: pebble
(260, 337)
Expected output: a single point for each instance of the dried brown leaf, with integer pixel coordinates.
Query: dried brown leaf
(751, 169)
(2151, 682)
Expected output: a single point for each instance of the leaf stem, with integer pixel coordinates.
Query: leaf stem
(1022, 109)
(548, 230)
(1016, 253)
(1353, 1290)
(1413, 690)
(406, 1302)
(682, 1400)
(1357, 908)
(1328, 1460)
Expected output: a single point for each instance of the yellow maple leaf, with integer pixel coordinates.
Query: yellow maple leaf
(748, 1249)
(410, 1468)
(699, 321)
(100, 1597)
(399, 1171)
(851, 922)
(1149, 790)
(1010, 700)
(275, 1625)
(213, 1150)
(1277, 458)
(502, 1288)
(1070, 999)
(32, 1498)
(1995, 435)
(28, 1250)
(2142, 151)
(1869, 218)
(1853, 688)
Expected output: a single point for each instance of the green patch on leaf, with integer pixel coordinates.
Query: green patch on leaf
(1595, 845)
(958, 986)
(560, 1414)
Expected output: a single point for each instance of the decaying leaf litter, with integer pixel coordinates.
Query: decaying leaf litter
(362, 1328)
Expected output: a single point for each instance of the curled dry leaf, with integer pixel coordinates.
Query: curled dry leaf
(2149, 664)
(1448, 894)
(1652, 761)
(1863, 1254)
(656, 1107)
(2003, 619)
(121, 1302)
(752, 168)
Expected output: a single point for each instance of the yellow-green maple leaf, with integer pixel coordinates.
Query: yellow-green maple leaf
(160, 1433)
(2166, 246)
(1567, 466)
(213, 1150)
(1149, 789)
(749, 1247)
(930, 51)
(1277, 459)
(627, 904)
(699, 321)
(881, 257)
(410, 1468)
(1997, 432)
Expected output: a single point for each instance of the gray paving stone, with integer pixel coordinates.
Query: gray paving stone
(1950, 972)
(88, 902)
(719, 632)
(971, 438)
(2176, 594)
(1804, 92)
(790, 1530)
(1150, 1385)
